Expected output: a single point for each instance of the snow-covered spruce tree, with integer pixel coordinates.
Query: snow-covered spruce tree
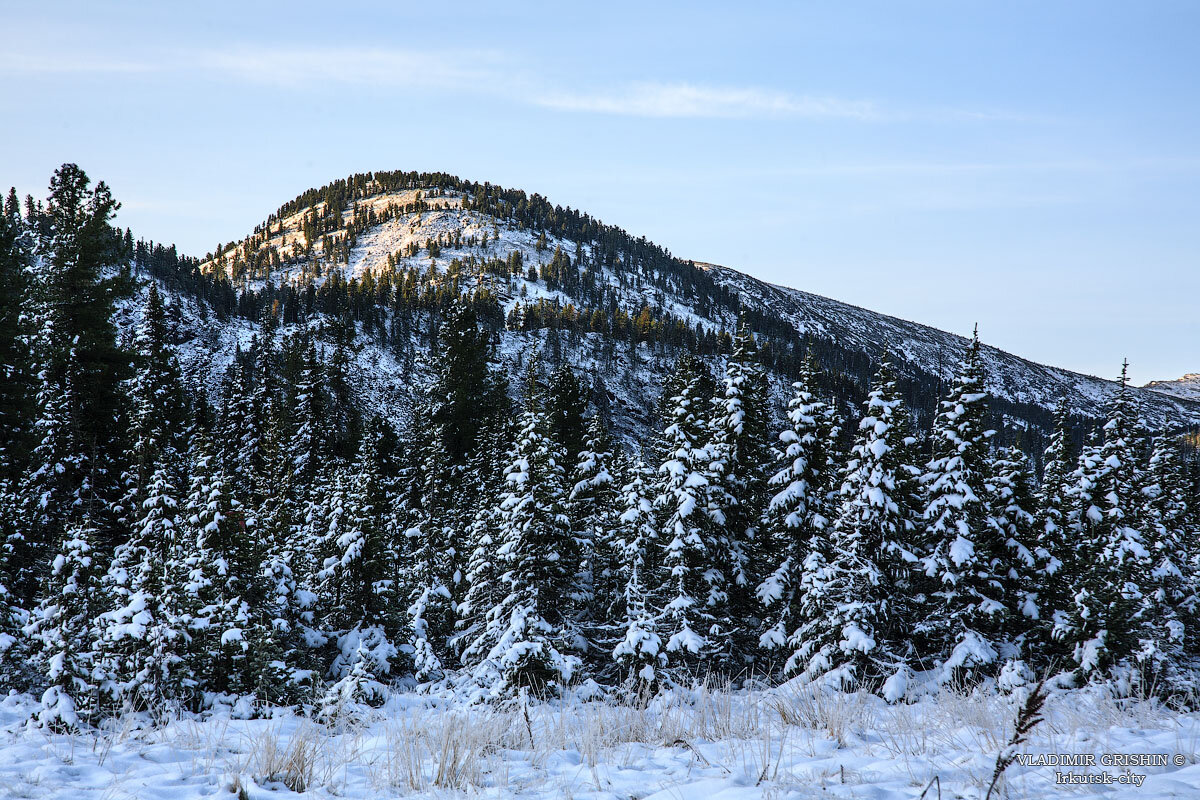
(63, 634)
(17, 412)
(1170, 612)
(264, 406)
(482, 574)
(237, 430)
(308, 411)
(359, 592)
(961, 628)
(295, 543)
(1081, 484)
(1104, 628)
(145, 633)
(450, 506)
(54, 492)
(528, 633)
(794, 538)
(344, 416)
(738, 491)
(1054, 546)
(853, 615)
(81, 271)
(429, 577)
(158, 415)
(17, 378)
(1012, 507)
(696, 601)
(13, 644)
(461, 412)
(272, 563)
(343, 701)
(214, 541)
(566, 406)
(639, 652)
(592, 508)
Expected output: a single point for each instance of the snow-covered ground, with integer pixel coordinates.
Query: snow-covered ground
(781, 743)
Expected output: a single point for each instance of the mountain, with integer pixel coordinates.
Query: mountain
(1186, 387)
(618, 307)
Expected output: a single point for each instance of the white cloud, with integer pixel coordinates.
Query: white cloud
(692, 100)
(476, 71)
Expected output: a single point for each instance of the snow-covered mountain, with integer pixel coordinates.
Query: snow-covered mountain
(445, 232)
(1186, 387)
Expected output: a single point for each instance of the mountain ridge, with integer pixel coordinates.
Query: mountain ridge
(438, 230)
(1186, 387)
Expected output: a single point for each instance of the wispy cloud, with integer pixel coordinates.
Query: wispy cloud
(693, 100)
(288, 67)
(475, 71)
(293, 67)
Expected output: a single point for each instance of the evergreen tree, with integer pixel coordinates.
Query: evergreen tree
(12, 613)
(737, 490)
(57, 489)
(158, 414)
(1104, 628)
(639, 651)
(17, 395)
(697, 598)
(963, 555)
(1055, 547)
(795, 524)
(566, 405)
(853, 616)
(238, 431)
(591, 506)
(216, 555)
(64, 635)
(345, 419)
(1168, 623)
(366, 656)
(357, 576)
(1011, 510)
(309, 413)
(529, 633)
(77, 287)
(145, 632)
(457, 417)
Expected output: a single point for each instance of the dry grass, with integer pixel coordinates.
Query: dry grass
(777, 740)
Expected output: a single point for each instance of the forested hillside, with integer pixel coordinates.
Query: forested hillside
(335, 458)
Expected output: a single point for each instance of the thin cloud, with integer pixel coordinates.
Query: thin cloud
(692, 100)
(355, 66)
(288, 67)
(476, 71)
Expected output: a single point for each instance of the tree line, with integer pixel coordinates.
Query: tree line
(284, 545)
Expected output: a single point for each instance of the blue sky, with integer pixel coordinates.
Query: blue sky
(1030, 166)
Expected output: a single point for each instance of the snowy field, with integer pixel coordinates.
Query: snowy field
(709, 746)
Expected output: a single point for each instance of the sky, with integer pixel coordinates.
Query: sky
(1033, 167)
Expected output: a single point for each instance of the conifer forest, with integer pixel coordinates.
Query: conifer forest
(246, 525)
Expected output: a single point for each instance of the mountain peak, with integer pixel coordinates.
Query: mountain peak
(436, 231)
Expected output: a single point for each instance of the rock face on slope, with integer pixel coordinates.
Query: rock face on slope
(617, 307)
(1185, 388)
